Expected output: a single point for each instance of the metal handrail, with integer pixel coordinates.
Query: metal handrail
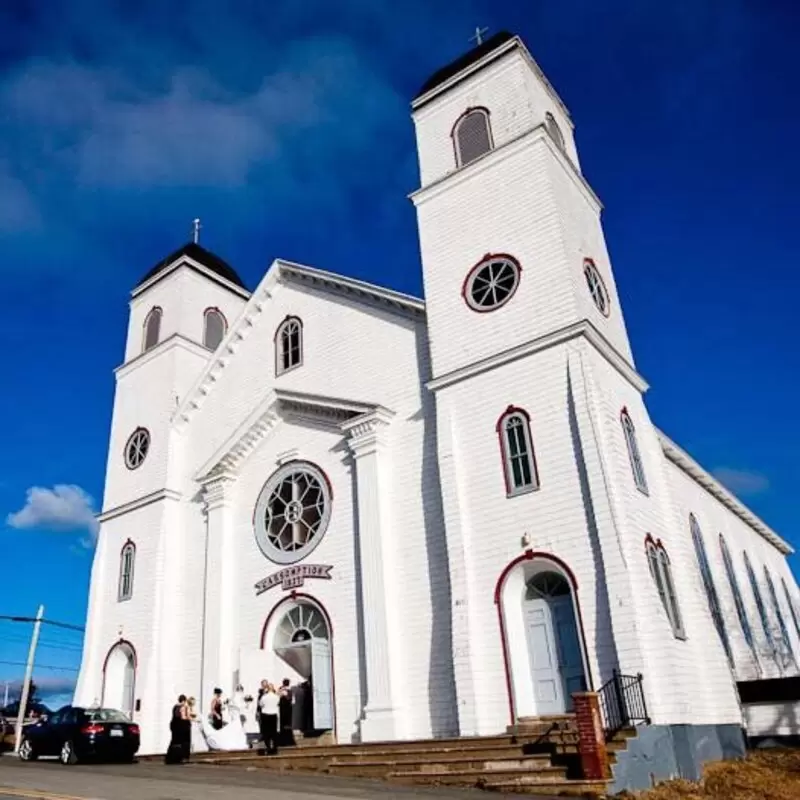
(622, 703)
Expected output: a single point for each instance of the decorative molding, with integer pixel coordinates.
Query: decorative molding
(140, 502)
(216, 492)
(366, 432)
(286, 456)
(584, 329)
(277, 405)
(172, 341)
(687, 464)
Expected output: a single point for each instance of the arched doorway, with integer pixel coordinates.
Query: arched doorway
(119, 678)
(554, 648)
(543, 647)
(298, 634)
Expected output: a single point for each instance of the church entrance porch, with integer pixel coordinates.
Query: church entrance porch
(296, 643)
(542, 638)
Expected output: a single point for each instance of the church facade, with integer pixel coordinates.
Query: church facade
(442, 516)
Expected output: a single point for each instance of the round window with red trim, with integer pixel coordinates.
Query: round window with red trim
(491, 283)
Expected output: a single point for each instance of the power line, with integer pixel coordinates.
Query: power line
(65, 625)
(39, 666)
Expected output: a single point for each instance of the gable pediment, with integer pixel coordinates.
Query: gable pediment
(280, 405)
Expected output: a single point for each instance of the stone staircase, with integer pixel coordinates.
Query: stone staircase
(537, 756)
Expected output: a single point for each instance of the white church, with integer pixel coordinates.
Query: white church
(443, 515)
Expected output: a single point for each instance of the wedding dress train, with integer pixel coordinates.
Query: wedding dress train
(231, 736)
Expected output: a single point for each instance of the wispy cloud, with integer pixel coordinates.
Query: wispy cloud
(742, 481)
(62, 508)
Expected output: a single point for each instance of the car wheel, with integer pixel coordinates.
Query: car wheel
(26, 752)
(68, 755)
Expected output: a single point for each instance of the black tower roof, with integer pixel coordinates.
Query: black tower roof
(202, 256)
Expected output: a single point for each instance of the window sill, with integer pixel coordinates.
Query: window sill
(645, 491)
(522, 491)
(288, 370)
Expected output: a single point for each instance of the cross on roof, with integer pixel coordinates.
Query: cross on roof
(196, 230)
(478, 36)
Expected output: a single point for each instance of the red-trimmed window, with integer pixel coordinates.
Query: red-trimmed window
(597, 289)
(152, 329)
(516, 448)
(637, 467)
(127, 560)
(288, 345)
(661, 572)
(492, 282)
(472, 136)
(215, 326)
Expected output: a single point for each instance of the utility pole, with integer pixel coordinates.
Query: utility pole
(5, 697)
(23, 701)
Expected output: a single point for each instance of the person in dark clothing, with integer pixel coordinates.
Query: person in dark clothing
(286, 734)
(180, 727)
(216, 710)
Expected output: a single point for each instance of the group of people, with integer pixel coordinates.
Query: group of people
(224, 727)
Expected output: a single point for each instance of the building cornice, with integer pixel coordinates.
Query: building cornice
(278, 405)
(171, 342)
(584, 329)
(140, 502)
(690, 467)
(186, 261)
(497, 155)
(495, 55)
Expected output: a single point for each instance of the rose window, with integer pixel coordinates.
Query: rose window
(491, 283)
(292, 512)
(136, 448)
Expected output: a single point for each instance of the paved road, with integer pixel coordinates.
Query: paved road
(49, 780)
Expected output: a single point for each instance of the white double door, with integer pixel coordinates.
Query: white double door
(555, 653)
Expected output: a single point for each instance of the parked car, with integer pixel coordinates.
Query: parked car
(76, 734)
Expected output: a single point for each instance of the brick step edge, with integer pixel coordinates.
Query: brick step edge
(527, 761)
(566, 788)
(483, 776)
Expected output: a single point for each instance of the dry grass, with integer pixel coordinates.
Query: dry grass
(763, 775)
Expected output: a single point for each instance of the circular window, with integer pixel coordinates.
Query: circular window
(137, 448)
(597, 288)
(292, 512)
(491, 283)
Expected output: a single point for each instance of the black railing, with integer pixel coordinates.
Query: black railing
(622, 703)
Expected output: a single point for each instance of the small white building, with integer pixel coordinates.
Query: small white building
(446, 514)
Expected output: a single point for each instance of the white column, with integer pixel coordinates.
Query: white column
(368, 446)
(220, 633)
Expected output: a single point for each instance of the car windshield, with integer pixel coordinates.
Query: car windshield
(106, 715)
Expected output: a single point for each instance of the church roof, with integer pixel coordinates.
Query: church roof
(202, 256)
(472, 56)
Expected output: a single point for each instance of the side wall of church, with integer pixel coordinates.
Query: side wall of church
(714, 519)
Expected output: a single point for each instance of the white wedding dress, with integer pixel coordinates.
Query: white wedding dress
(231, 736)
(199, 743)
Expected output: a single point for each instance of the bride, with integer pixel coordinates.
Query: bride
(231, 735)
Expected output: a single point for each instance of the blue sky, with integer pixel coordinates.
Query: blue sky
(285, 126)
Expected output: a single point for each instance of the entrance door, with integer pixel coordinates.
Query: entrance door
(321, 684)
(119, 679)
(553, 643)
(543, 654)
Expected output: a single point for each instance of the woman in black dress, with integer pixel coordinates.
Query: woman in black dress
(180, 727)
(286, 734)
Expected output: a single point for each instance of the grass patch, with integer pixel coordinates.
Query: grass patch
(763, 775)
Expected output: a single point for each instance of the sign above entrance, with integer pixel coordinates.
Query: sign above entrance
(292, 577)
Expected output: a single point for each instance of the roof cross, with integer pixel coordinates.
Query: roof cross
(478, 36)
(196, 230)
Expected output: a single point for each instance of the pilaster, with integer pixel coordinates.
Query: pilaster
(367, 440)
(220, 619)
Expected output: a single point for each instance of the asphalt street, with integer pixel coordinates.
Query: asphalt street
(49, 780)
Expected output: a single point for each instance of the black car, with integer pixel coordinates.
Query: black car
(75, 734)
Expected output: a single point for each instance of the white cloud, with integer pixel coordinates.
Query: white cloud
(741, 481)
(63, 508)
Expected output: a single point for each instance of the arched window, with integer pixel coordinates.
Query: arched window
(553, 129)
(762, 611)
(214, 328)
(637, 468)
(792, 609)
(661, 570)
(708, 583)
(741, 612)
(597, 289)
(288, 345)
(516, 447)
(472, 136)
(127, 560)
(785, 641)
(152, 328)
